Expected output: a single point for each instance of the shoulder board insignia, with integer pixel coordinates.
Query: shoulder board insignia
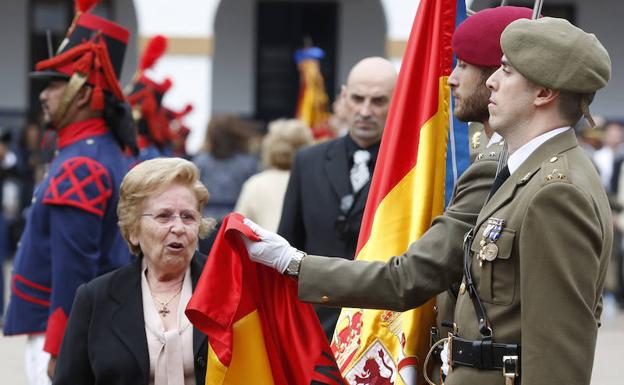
(475, 141)
(554, 169)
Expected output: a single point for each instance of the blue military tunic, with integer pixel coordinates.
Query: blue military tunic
(71, 233)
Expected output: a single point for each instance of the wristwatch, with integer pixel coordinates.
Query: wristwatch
(292, 270)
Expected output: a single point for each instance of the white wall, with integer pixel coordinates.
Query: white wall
(191, 74)
(190, 18)
(400, 15)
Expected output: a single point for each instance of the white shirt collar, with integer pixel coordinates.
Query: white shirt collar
(494, 139)
(520, 155)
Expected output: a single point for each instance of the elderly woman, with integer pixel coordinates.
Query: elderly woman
(129, 327)
(262, 196)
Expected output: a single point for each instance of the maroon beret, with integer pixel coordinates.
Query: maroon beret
(477, 39)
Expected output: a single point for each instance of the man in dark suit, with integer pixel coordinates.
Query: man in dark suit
(329, 183)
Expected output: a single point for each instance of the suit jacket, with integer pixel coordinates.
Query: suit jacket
(542, 291)
(105, 340)
(318, 182)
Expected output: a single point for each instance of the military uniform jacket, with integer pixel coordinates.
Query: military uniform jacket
(71, 233)
(543, 289)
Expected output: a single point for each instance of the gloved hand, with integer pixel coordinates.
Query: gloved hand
(271, 250)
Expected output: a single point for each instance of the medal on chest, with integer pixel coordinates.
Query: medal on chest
(491, 234)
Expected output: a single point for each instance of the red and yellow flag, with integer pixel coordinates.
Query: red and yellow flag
(312, 104)
(407, 192)
(258, 330)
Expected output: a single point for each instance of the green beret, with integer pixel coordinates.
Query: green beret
(555, 54)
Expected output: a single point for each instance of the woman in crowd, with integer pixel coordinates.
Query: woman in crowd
(225, 163)
(262, 196)
(128, 326)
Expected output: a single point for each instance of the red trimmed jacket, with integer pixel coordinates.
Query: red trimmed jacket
(71, 234)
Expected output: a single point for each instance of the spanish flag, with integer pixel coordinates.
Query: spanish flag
(407, 192)
(258, 330)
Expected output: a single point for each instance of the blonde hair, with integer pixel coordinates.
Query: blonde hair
(284, 138)
(149, 178)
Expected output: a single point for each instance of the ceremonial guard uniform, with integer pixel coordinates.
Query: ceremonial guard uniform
(146, 97)
(71, 233)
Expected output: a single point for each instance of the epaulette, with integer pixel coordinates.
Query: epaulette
(490, 153)
(477, 139)
(555, 169)
(80, 182)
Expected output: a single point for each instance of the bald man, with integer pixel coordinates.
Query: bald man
(329, 183)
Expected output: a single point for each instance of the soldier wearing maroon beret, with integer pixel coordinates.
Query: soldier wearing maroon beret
(476, 44)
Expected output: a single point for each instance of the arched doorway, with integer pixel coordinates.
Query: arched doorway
(253, 67)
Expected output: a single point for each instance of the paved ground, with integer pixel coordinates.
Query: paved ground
(608, 366)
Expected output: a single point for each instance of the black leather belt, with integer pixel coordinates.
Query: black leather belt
(481, 354)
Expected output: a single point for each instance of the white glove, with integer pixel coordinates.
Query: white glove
(271, 250)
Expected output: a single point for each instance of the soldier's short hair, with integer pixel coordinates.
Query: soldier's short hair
(571, 105)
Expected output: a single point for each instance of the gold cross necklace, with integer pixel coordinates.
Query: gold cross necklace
(164, 310)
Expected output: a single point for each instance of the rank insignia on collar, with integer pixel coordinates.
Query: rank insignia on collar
(476, 140)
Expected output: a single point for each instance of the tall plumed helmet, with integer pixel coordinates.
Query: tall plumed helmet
(145, 95)
(91, 53)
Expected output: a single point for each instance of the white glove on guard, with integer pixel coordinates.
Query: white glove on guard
(271, 250)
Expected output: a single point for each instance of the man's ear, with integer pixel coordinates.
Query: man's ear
(545, 96)
(84, 96)
(343, 92)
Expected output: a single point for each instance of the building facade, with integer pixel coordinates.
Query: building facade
(237, 55)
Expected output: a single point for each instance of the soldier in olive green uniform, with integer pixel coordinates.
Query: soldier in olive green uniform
(535, 263)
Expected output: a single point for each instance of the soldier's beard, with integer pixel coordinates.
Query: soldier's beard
(474, 108)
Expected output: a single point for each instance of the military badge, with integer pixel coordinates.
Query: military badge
(476, 140)
(491, 234)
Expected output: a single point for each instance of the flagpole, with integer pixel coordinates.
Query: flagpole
(537, 9)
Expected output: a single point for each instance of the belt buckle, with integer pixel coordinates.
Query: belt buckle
(510, 367)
